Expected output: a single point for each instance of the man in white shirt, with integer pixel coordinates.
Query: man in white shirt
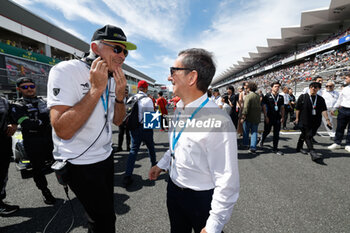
(217, 98)
(85, 97)
(202, 162)
(138, 135)
(331, 97)
(343, 119)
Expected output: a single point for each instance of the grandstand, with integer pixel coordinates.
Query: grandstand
(319, 46)
(30, 46)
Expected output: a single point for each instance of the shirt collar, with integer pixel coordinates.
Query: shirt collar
(194, 103)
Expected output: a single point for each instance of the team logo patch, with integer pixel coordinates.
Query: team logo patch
(56, 91)
(152, 120)
(86, 85)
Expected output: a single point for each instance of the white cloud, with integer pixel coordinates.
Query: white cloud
(158, 21)
(234, 33)
(136, 55)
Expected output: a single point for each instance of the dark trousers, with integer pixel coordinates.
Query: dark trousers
(5, 157)
(343, 121)
(123, 130)
(288, 111)
(276, 123)
(306, 135)
(139, 135)
(39, 150)
(93, 186)
(187, 209)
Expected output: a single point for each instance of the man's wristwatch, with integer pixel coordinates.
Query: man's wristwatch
(119, 101)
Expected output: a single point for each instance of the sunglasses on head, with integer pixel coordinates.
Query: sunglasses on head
(25, 87)
(173, 69)
(329, 86)
(117, 49)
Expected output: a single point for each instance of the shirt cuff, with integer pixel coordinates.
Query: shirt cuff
(213, 226)
(164, 162)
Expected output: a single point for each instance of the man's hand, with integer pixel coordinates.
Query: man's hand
(11, 129)
(120, 81)
(296, 121)
(154, 172)
(332, 113)
(267, 120)
(98, 75)
(203, 230)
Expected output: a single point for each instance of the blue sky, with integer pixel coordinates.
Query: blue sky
(161, 28)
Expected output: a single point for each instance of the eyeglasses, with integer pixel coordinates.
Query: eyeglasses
(329, 86)
(117, 49)
(173, 69)
(25, 87)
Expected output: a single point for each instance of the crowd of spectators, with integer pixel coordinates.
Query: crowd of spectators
(303, 71)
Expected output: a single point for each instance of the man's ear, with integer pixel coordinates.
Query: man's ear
(193, 78)
(95, 48)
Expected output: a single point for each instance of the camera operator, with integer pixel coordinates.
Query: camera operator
(84, 101)
(32, 114)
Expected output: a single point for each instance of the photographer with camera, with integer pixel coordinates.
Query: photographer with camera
(32, 114)
(85, 97)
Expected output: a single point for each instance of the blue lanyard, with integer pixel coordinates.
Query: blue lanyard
(176, 139)
(313, 103)
(105, 102)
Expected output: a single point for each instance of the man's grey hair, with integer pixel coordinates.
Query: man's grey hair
(93, 55)
(201, 61)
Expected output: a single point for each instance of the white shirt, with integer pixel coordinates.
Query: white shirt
(67, 85)
(285, 97)
(227, 108)
(344, 98)
(218, 101)
(330, 97)
(206, 160)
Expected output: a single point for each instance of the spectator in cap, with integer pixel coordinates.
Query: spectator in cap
(138, 135)
(84, 101)
(232, 100)
(32, 114)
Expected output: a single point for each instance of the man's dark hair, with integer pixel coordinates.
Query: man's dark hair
(315, 84)
(347, 73)
(274, 83)
(315, 78)
(201, 61)
(225, 97)
(252, 86)
(231, 88)
(244, 83)
(160, 93)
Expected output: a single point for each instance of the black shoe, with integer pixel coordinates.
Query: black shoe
(316, 157)
(302, 151)
(48, 198)
(127, 181)
(278, 152)
(253, 151)
(7, 210)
